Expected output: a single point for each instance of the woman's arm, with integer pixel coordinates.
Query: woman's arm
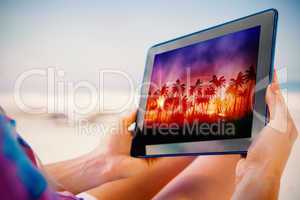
(83, 173)
(144, 185)
(99, 167)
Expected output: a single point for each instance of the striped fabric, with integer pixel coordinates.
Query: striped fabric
(19, 177)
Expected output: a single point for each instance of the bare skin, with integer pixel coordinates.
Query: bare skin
(208, 177)
(257, 176)
(205, 172)
(99, 167)
(144, 185)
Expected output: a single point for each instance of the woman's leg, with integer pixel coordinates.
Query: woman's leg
(208, 177)
(143, 186)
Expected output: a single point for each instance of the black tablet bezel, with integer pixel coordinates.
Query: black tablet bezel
(267, 20)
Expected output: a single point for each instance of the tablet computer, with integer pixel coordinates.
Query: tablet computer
(204, 93)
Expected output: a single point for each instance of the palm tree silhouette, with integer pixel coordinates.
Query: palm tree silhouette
(239, 80)
(236, 83)
(202, 101)
(197, 94)
(241, 93)
(230, 91)
(250, 74)
(218, 83)
(178, 90)
(209, 93)
(164, 90)
(198, 86)
(182, 88)
(175, 87)
(192, 90)
(250, 77)
(184, 103)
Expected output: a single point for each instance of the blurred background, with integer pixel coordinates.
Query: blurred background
(82, 38)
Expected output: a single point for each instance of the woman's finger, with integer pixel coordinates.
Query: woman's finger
(127, 121)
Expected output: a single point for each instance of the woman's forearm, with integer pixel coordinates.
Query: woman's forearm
(82, 173)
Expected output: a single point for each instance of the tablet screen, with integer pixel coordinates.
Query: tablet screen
(203, 91)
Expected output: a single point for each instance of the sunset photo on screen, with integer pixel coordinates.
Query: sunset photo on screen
(207, 82)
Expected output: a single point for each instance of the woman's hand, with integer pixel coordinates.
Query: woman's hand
(258, 176)
(117, 152)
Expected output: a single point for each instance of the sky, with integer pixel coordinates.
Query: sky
(84, 37)
(222, 56)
